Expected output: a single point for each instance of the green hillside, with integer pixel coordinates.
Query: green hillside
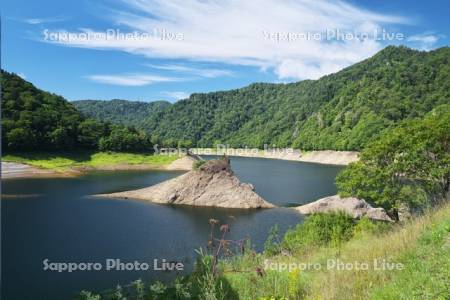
(35, 120)
(342, 111)
(129, 113)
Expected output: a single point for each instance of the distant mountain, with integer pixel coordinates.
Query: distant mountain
(342, 111)
(129, 113)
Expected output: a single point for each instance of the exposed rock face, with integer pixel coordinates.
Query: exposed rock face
(213, 184)
(355, 207)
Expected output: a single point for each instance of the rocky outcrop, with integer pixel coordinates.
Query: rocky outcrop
(357, 208)
(213, 184)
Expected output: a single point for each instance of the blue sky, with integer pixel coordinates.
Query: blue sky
(79, 49)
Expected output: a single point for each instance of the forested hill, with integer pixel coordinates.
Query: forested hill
(35, 120)
(341, 111)
(130, 113)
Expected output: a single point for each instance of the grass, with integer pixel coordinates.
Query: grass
(421, 247)
(427, 272)
(63, 161)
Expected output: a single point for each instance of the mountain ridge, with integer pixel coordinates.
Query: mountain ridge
(340, 111)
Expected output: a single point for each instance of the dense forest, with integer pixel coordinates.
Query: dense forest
(128, 113)
(342, 111)
(36, 120)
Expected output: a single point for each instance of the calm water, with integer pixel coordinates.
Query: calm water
(57, 221)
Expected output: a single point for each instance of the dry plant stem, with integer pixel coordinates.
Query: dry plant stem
(216, 255)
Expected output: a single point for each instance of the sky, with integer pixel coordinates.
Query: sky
(150, 50)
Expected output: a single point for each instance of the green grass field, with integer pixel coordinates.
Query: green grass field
(62, 161)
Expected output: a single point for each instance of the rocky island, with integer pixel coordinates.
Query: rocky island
(211, 184)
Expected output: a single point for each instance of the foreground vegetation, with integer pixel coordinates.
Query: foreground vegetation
(421, 246)
(412, 262)
(63, 161)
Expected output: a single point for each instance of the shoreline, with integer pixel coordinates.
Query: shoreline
(326, 157)
(16, 170)
(13, 170)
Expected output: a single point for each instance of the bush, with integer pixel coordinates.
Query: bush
(272, 246)
(320, 230)
(123, 139)
(207, 285)
(198, 164)
(365, 227)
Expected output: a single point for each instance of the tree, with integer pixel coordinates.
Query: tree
(125, 139)
(36, 120)
(90, 132)
(408, 164)
(20, 139)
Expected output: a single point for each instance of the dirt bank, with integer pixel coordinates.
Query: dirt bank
(16, 170)
(329, 157)
(11, 170)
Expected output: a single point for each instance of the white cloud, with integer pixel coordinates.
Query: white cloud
(35, 21)
(22, 75)
(231, 32)
(202, 72)
(176, 95)
(131, 79)
(425, 41)
(424, 38)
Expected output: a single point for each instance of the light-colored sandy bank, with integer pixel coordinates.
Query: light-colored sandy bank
(357, 208)
(328, 157)
(12, 170)
(213, 184)
(185, 163)
(16, 170)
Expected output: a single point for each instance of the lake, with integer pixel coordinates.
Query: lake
(55, 219)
